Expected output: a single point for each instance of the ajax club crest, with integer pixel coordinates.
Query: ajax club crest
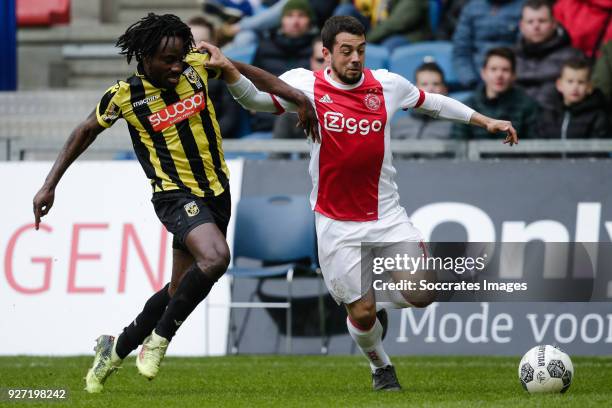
(372, 101)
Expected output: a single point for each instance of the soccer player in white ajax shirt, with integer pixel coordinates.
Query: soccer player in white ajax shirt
(354, 196)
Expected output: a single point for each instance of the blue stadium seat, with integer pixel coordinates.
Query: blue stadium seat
(279, 232)
(243, 54)
(377, 57)
(124, 155)
(406, 59)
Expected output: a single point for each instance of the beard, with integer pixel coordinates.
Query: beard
(345, 78)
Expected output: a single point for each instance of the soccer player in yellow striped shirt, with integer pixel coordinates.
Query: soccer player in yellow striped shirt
(177, 141)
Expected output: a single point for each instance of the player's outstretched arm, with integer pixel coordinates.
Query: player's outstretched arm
(267, 82)
(264, 81)
(440, 106)
(80, 138)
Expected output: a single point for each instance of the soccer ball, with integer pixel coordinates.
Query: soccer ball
(546, 368)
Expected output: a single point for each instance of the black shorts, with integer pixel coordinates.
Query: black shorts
(180, 212)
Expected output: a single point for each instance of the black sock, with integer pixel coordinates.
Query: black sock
(194, 287)
(134, 334)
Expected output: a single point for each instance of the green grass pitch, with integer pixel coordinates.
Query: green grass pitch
(270, 381)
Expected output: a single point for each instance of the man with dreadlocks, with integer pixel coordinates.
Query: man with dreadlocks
(177, 141)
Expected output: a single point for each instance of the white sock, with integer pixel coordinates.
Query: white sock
(370, 343)
(115, 359)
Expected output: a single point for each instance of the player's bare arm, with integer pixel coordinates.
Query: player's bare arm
(80, 139)
(266, 82)
(494, 126)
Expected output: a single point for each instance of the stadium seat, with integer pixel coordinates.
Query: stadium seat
(243, 54)
(125, 155)
(33, 13)
(278, 233)
(377, 57)
(406, 59)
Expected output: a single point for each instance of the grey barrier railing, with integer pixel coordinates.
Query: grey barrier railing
(20, 149)
(476, 149)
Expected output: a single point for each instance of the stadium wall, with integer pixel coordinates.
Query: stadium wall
(97, 256)
(483, 201)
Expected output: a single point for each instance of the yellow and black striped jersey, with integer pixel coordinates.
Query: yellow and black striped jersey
(174, 132)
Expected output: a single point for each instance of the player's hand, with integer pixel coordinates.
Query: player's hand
(308, 119)
(217, 58)
(43, 201)
(495, 126)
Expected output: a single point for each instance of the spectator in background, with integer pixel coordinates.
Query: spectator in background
(541, 51)
(281, 50)
(483, 24)
(246, 30)
(602, 73)
(449, 18)
(429, 77)
(589, 22)
(498, 97)
(201, 29)
(391, 23)
(286, 125)
(579, 111)
(231, 10)
(405, 22)
(323, 10)
(226, 108)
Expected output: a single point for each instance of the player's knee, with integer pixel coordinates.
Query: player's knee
(423, 297)
(172, 288)
(364, 315)
(214, 262)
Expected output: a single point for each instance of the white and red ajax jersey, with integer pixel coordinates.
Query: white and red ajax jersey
(351, 170)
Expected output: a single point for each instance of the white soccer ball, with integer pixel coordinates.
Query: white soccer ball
(546, 368)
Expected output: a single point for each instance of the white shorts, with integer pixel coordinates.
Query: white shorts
(339, 245)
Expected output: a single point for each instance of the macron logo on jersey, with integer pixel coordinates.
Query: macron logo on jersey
(177, 112)
(326, 99)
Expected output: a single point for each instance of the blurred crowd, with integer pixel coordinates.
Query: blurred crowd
(545, 65)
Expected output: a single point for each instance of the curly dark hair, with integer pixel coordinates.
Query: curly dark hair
(142, 38)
